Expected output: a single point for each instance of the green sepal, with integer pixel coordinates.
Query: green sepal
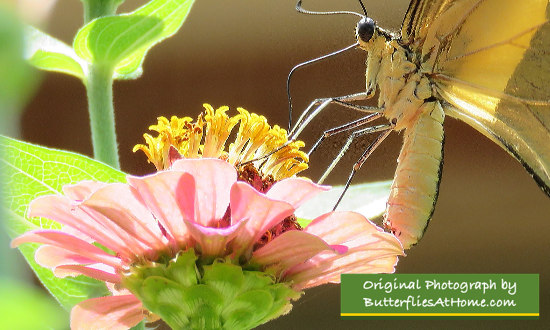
(238, 315)
(219, 295)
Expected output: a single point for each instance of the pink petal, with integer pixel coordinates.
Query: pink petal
(289, 249)
(68, 242)
(261, 212)
(51, 256)
(82, 190)
(370, 250)
(77, 233)
(97, 271)
(340, 227)
(113, 312)
(327, 268)
(170, 196)
(213, 180)
(213, 241)
(340, 249)
(119, 203)
(103, 231)
(295, 191)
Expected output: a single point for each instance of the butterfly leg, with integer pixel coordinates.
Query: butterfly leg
(346, 127)
(353, 135)
(385, 129)
(315, 108)
(318, 105)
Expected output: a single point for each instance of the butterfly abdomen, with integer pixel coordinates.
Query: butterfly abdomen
(415, 186)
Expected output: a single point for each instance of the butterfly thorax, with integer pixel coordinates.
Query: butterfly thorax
(392, 69)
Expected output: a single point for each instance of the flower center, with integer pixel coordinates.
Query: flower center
(261, 154)
(289, 223)
(249, 174)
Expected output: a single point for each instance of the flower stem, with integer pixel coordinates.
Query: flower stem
(98, 8)
(99, 88)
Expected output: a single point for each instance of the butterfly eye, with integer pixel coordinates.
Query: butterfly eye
(365, 29)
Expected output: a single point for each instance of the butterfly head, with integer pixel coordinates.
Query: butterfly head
(365, 30)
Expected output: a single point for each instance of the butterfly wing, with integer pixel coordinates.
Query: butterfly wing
(419, 19)
(490, 61)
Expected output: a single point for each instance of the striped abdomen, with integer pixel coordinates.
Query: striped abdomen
(415, 186)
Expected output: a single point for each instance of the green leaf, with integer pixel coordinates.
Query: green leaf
(98, 8)
(50, 61)
(123, 40)
(50, 54)
(19, 299)
(17, 78)
(28, 171)
(369, 199)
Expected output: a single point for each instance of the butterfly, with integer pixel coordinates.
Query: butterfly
(484, 62)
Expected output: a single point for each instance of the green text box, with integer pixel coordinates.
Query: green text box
(467, 296)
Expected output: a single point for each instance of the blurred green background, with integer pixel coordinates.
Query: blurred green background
(491, 217)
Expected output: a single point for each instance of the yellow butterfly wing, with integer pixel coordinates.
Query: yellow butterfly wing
(419, 19)
(489, 60)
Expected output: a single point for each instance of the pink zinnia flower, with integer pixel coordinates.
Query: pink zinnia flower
(198, 248)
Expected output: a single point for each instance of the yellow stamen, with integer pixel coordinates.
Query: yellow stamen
(218, 127)
(255, 139)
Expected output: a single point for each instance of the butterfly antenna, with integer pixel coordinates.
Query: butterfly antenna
(301, 65)
(309, 12)
(364, 9)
